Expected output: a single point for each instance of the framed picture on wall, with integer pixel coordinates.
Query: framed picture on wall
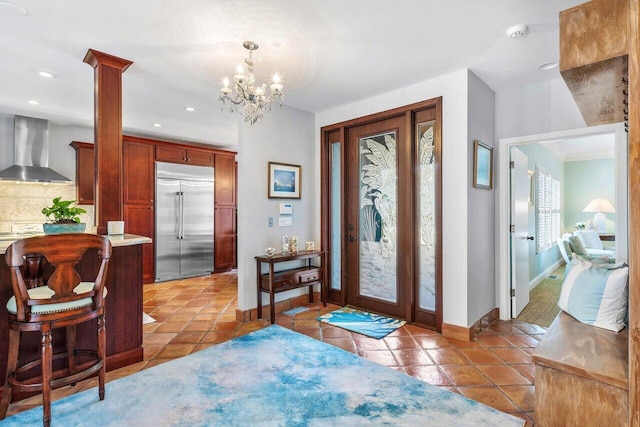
(482, 166)
(284, 181)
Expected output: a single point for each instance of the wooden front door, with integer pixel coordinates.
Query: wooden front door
(373, 242)
(382, 212)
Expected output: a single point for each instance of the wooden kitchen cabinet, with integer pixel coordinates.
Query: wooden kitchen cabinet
(139, 219)
(139, 173)
(225, 182)
(85, 172)
(139, 190)
(191, 156)
(225, 236)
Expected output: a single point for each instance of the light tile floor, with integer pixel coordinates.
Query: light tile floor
(196, 313)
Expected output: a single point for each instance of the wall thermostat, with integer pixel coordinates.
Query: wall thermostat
(286, 209)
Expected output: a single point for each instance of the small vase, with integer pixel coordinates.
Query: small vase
(54, 228)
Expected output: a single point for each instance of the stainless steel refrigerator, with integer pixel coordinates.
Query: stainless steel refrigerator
(184, 221)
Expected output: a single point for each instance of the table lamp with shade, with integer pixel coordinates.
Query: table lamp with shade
(600, 207)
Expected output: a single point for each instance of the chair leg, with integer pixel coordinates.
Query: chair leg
(71, 348)
(47, 359)
(102, 352)
(12, 362)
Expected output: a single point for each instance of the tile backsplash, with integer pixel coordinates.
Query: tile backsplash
(23, 202)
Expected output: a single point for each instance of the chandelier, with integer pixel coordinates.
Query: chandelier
(247, 98)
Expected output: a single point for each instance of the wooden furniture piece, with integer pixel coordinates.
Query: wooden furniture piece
(285, 280)
(594, 47)
(181, 154)
(62, 300)
(85, 172)
(123, 308)
(225, 212)
(139, 191)
(581, 375)
(606, 237)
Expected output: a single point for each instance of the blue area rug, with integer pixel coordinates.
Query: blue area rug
(271, 377)
(362, 322)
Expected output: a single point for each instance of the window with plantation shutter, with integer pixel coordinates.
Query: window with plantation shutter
(547, 209)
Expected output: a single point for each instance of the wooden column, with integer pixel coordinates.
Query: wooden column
(108, 136)
(634, 214)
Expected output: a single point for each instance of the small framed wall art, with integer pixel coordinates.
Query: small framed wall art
(482, 166)
(284, 181)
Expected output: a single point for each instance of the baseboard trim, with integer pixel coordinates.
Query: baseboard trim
(245, 316)
(468, 334)
(540, 277)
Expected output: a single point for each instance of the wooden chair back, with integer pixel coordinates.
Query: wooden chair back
(62, 252)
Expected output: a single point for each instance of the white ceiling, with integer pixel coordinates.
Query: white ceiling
(329, 52)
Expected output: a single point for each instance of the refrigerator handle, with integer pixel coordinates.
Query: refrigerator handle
(181, 220)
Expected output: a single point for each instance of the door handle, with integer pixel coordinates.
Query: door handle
(529, 237)
(352, 238)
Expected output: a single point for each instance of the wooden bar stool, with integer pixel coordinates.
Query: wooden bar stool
(62, 301)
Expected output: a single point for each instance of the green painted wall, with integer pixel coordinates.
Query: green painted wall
(538, 155)
(585, 180)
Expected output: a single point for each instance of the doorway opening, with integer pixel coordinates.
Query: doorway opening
(381, 212)
(506, 249)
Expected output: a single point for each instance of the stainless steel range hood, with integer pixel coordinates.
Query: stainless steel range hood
(31, 153)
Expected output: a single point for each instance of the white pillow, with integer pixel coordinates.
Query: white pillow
(590, 239)
(596, 295)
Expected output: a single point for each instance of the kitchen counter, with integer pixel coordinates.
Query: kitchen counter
(123, 307)
(116, 241)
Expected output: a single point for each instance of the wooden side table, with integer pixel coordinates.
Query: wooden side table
(285, 280)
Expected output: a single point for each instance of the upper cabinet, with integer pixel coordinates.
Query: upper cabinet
(139, 174)
(85, 172)
(225, 182)
(191, 156)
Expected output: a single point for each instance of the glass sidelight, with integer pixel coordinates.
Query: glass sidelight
(427, 224)
(336, 223)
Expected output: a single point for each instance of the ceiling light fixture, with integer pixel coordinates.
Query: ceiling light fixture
(190, 109)
(45, 74)
(33, 102)
(248, 99)
(157, 125)
(517, 31)
(548, 65)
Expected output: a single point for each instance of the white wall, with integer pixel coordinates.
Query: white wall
(453, 89)
(537, 108)
(481, 259)
(285, 135)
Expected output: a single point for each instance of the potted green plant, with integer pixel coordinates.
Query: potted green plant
(63, 217)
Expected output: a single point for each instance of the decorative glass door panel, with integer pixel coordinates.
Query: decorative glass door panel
(378, 216)
(373, 227)
(427, 226)
(336, 223)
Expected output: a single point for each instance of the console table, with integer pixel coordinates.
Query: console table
(285, 280)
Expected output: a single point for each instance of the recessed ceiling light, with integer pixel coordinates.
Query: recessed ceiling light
(33, 102)
(517, 31)
(548, 65)
(45, 74)
(158, 125)
(6, 6)
(278, 44)
(189, 109)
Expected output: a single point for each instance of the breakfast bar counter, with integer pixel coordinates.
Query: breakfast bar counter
(123, 307)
